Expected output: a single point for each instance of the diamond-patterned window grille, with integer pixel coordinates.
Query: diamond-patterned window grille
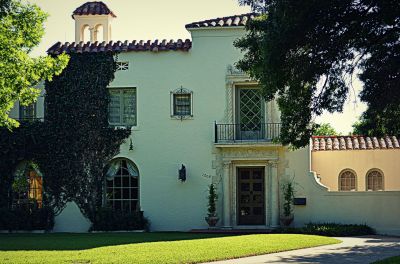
(250, 105)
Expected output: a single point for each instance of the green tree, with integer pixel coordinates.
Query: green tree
(21, 29)
(306, 54)
(325, 129)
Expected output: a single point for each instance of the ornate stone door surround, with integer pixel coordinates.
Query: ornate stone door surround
(232, 159)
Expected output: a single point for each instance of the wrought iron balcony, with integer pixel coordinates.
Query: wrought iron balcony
(242, 133)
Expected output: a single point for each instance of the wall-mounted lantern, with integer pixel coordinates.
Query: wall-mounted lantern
(131, 145)
(182, 173)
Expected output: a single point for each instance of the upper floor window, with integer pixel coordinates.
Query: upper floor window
(122, 65)
(27, 112)
(27, 186)
(347, 180)
(374, 180)
(181, 103)
(123, 108)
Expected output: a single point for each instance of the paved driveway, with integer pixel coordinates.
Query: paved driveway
(352, 250)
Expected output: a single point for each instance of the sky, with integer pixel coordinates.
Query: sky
(166, 19)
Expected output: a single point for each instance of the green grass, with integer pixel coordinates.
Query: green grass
(145, 247)
(393, 260)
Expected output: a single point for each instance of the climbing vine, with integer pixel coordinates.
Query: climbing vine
(75, 142)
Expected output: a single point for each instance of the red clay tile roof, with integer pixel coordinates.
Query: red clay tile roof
(230, 21)
(153, 46)
(93, 8)
(324, 143)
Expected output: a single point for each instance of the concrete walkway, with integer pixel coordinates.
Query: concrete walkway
(352, 250)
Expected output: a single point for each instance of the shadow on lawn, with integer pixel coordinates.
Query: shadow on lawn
(69, 241)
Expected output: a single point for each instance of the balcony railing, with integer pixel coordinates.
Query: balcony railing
(264, 132)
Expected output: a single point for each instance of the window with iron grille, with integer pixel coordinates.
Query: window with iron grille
(122, 186)
(27, 112)
(122, 107)
(347, 180)
(181, 103)
(374, 181)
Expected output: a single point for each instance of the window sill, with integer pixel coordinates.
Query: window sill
(186, 117)
(133, 128)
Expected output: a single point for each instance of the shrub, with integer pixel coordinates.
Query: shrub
(20, 219)
(330, 229)
(107, 219)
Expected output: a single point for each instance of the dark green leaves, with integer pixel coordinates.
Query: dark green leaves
(306, 53)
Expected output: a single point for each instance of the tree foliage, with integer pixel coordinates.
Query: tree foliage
(74, 143)
(325, 129)
(21, 29)
(306, 54)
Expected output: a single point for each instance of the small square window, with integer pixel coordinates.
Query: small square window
(181, 103)
(27, 112)
(122, 66)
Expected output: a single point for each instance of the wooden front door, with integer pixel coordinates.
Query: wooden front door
(251, 196)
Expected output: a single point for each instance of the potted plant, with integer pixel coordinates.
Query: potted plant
(212, 218)
(288, 197)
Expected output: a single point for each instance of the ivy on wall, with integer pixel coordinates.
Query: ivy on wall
(75, 142)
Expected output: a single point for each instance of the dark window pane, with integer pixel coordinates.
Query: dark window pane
(134, 182)
(245, 187)
(257, 174)
(125, 194)
(245, 198)
(125, 181)
(244, 211)
(245, 175)
(134, 206)
(257, 198)
(134, 193)
(118, 193)
(257, 187)
(117, 181)
(117, 205)
(182, 104)
(257, 210)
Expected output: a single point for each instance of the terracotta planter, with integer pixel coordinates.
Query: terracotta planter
(286, 220)
(212, 221)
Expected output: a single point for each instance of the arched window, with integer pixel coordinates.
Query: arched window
(374, 180)
(122, 185)
(27, 186)
(347, 180)
(99, 33)
(85, 33)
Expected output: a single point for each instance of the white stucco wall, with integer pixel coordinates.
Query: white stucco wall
(71, 220)
(379, 210)
(162, 144)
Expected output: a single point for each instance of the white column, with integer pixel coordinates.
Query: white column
(93, 36)
(274, 194)
(226, 195)
(106, 33)
(78, 32)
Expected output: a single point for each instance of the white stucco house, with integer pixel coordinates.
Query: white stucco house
(189, 106)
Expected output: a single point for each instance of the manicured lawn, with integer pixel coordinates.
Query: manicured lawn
(145, 247)
(394, 260)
